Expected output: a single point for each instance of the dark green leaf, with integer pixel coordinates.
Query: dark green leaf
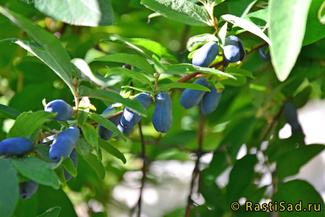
(296, 158)
(180, 10)
(240, 177)
(315, 30)
(37, 170)
(111, 150)
(92, 160)
(113, 97)
(76, 12)
(240, 8)
(8, 188)
(287, 29)
(26, 123)
(52, 52)
(131, 59)
(52, 212)
(107, 124)
(90, 134)
(8, 112)
(299, 194)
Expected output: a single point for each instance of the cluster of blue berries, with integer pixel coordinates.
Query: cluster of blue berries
(62, 146)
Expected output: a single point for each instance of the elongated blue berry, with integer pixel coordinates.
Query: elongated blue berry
(74, 158)
(63, 110)
(129, 118)
(17, 146)
(162, 117)
(27, 189)
(234, 49)
(105, 133)
(64, 143)
(263, 54)
(291, 117)
(190, 97)
(205, 55)
(210, 101)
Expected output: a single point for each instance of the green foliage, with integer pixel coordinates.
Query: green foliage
(106, 52)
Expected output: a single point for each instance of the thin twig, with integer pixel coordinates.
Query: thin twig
(109, 117)
(196, 170)
(143, 168)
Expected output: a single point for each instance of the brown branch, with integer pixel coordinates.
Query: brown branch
(144, 169)
(256, 48)
(196, 170)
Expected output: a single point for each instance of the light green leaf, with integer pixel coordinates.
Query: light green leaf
(113, 97)
(321, 13)
(37, 170)
(76, 12)
(92, 160)
(111, 150)
(180, 10)
(69, 166)
(52, 52)
(131, 59)
(184, 85)
(107, 124)
(188, 68)
(287, 28)
(90, 134)
(131, 74)
(26, 123)
(85, 70)
(83, 147)
(247, 25)
(197, 40)
(8, 188)
(8, 112)
(52, 212)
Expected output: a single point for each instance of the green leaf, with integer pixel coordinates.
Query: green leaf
(321, 13)
(240, 8)
(8, 112)
(180, 10)
(52, 53)
(52, 212)
(92, 160)
(85, 70)
(8, 188)
(76, 12)
(287, 29)
(188, 68)
(296, 158)
(83, 147)
(37, 170)
(315, 30)
(131, 74)
(131, 59)
(299, 193)
(69, 166)
(90, 134)
(26, 123)
(247, 25)
(107, 124)
(259, 18)
(184, 85)
(114, 98)
(111, 150)
(197, 40)
(240, 177)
